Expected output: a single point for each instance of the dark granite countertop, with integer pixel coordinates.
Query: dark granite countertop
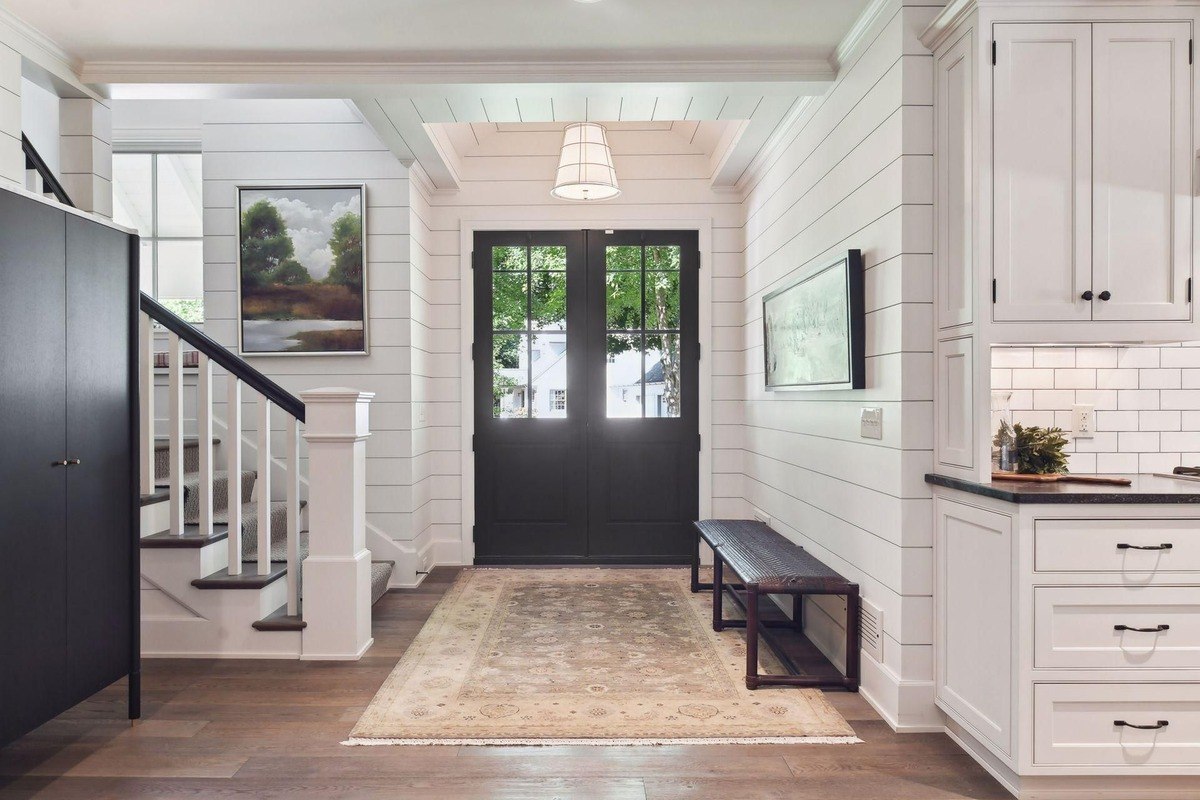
(1145, 489)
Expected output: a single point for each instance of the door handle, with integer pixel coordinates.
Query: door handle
(1162, 723)
(1105, 295)
(1087, 295)
(73, 462)
(62, 463)
(1155, 629)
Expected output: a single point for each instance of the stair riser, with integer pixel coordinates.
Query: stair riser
(162, 462)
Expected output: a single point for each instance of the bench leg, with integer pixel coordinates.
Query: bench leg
(696, 565)
(718, 593)
(798, 613)
(751, 636)
(853, 645)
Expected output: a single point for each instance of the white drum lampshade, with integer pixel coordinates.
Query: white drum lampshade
(585, 168)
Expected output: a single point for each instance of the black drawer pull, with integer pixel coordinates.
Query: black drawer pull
(1155, 629)
(1163, 546)
(1120, 723)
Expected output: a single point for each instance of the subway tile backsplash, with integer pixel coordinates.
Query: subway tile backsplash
(1146, 399)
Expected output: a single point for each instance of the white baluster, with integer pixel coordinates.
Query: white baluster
(233, 464)
(175, 430)
(264, 486)
(293, 515)
(204, 430)
(146, 401)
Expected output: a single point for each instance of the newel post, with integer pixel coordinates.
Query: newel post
(337, 572)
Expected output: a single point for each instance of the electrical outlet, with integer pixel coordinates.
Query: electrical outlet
(871, 423)
(1083, 421)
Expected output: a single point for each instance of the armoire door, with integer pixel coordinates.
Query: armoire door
(33, 581)
(100, 524)
(1142, 168)
(1042, 195)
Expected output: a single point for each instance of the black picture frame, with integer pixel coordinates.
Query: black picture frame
(852, 370)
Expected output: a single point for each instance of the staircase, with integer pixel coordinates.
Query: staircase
(224, 550)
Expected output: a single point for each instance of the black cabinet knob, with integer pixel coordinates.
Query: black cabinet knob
(1106, 295)
(1087, 295)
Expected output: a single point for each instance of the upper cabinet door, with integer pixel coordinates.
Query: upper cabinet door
(1042, 112)
(955, 131)
(1142, 133)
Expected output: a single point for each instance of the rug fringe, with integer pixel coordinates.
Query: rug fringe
(370, 742)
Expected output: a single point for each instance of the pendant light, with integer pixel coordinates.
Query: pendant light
(585, 168)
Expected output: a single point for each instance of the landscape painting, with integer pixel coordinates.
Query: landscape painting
(302, 270)
(813, 329)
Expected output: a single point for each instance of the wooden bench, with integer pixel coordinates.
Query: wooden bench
(764, 562)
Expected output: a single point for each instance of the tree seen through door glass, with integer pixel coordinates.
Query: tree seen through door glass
(642, 298)
(508, 375)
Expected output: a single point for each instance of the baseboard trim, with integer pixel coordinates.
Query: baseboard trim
(220, 655)
(336, 657)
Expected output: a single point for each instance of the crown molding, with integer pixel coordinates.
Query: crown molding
(950, 17)
(856, 38)
(784, 133)
(51, 65)
(112, 72)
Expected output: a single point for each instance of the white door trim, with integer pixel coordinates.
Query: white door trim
(466, 287)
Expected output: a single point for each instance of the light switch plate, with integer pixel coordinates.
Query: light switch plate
(1083, 421)
(871, 423)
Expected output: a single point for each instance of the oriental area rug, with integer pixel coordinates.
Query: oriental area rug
(584, 656)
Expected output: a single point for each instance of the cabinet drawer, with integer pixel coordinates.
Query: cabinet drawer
(1112, 545)
(1078, 724)
(1088, 627)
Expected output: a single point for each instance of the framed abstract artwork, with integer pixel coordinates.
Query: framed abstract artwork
(302, 270)
(813, 329)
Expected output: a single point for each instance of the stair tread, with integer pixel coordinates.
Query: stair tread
(164, 442)
(249, 579)
(280, 620)
(190, 538)
(157, 496)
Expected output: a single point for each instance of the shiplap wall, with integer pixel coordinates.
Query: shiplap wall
(305, 142)
(1146, 401)
(12, 159)
(856, 173)
(508, 178)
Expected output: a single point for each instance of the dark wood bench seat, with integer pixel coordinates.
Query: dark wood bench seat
(765, 562)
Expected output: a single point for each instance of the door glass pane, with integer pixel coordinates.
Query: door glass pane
(133, 197)
(549, 298)
(662, 300)
(662, 375)
(623, 383)
(548, 258)
(623, 300)
(509, 375)
(623, 257)
(663, 257)
(509, 258)
(179, 195)
(549, 367)
(509, 300)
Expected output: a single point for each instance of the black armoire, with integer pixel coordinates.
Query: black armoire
(68, 467)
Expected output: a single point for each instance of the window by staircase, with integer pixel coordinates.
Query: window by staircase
(160, 194)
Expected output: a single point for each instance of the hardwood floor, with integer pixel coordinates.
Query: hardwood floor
(271, 729)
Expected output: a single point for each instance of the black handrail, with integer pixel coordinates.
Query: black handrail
(234, 365)
(48, 180)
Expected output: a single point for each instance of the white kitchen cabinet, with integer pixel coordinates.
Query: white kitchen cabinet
(1042, 134)
(1092, 196)
(1142, 167)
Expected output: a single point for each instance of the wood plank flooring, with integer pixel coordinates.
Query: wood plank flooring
(271, 729)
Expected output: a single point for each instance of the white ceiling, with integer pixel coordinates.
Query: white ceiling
(440, 30)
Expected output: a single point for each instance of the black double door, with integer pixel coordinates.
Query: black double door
(586, 396)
